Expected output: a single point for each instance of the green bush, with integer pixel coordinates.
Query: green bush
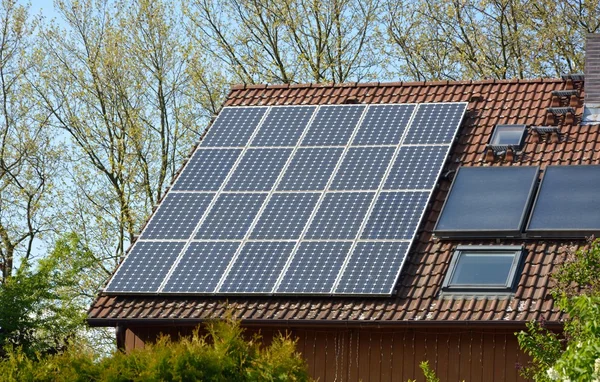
(221, 355)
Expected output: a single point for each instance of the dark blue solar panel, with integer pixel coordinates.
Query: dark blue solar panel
(207, 169)
(257, 267)
(383, 125)
(435, 123)
(285, 216)
(177, 216)
(567, 203)
(234, 126)
(201, 267)
(340, 215)
(231, 216)
(310, 169)
(395, 215)
(372, 268)
(416, 167)
(283, 126)
(487, 201)
(333, 125)
(258, 170)
(362, 168)
(145, 267)
(314, 267)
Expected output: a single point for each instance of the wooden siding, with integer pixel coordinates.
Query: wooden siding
(366, 354)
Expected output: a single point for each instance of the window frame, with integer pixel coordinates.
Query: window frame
(516, 250)
(497, 133)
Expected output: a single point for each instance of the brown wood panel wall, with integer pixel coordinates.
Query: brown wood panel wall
(387, 355)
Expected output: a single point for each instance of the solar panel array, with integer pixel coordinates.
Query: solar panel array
(295, 200)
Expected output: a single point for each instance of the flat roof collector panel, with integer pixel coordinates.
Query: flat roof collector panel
(487, 202)
(568, 203)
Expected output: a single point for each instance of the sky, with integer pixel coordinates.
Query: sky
(43, 7)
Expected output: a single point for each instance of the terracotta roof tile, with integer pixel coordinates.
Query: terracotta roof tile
(417, 297)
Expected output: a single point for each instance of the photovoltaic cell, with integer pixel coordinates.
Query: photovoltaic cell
(395, 215)
(435, 123)
(333, 125)
(234, 126)
(373, 268)
(362, 168)
(322, 208)
(258, 170)
(231, 216)
(340, 215)
(201, 267)
(177, 216)
(285, 216)
(487, 201)
(567, 202)
(383, 125)
(207, 170)
(283, 126)
(416, 167)
(310, 169)
(257, 267)
(314, 267)
(145, 267)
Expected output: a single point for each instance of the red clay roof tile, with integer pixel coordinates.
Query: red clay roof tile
(417, 297)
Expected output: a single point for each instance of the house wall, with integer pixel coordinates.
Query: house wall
(388, 354)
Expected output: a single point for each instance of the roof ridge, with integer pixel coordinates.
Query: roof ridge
(396, 83)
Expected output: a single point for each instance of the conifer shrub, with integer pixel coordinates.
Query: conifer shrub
(221, 355)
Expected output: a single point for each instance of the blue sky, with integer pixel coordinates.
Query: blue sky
(44, 7)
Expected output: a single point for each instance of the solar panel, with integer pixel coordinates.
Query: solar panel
(258, 170)
(310, 169)
(283, 126)
(567, 203)
(416, 168)
(362, 168)
(285, 216)
(206, 170)
(177, 216)
(333, 125)
(234, 127)
(201, 267)
(372, 268)
(145, 267)
(300, 200)
(314, 267)
(487, 201)
(340, 215)
(384, 125)
(435, 123)
(231, 216)
(395, 215)
(257, 267)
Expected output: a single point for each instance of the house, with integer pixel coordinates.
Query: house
(518, 143)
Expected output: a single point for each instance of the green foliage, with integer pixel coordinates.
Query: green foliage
(576, 357)
(221, 355)
(430, 375)
(42, 312)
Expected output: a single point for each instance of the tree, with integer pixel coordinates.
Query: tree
(116, 82)
(43, 305)
(28, 156)
(488, 39)
(289, 41)
(575, 356)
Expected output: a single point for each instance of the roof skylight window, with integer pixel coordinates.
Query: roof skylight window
(508, 136)
(483, 269)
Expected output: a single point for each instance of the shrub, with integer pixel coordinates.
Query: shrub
(221, 355)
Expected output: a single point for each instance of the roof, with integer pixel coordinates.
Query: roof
(417, 299)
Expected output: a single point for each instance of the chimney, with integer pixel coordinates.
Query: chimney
(591, 112)
(592, 69)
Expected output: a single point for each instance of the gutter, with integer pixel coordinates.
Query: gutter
(146, 322)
